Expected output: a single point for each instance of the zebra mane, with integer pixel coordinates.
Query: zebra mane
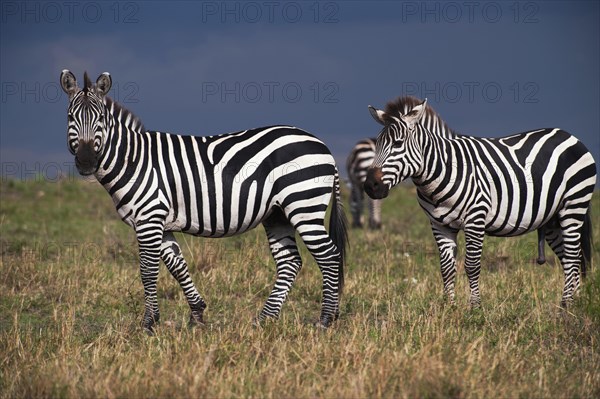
(87, 83)
(123, 114)
(402, 105)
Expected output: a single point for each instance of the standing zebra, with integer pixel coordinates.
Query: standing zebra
(215, 186)
(357, 163)
(361, 157)
(541, 179)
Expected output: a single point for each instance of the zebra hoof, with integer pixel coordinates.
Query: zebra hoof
(257, 323)
(566, 303)
(325, 322)
(150, 320)
(197, 314)
(196, 321)
(475, 303)
(449, 301)
(320, 326)
(149, 330)
(262, 320)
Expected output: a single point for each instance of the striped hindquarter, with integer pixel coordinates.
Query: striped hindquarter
(539, 180)
(357, 164)
(216, 186)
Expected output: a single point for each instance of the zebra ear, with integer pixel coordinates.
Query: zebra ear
(378, 115)
(103, 84)
(68, 83)
(413, 116)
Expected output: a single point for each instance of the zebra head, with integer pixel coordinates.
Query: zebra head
(87, 119)
(397, 150)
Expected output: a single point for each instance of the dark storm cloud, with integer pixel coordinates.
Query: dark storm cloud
(489, 68)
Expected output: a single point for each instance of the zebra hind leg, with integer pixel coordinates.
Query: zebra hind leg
(567, 247)
(553, 237)
(282, 242)
(356, 204)
(551, 234)
(171, 255)
(328, 258)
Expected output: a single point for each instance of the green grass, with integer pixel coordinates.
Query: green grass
(71, 304)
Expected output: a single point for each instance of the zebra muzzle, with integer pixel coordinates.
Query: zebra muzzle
(374, 185)
(86, 159)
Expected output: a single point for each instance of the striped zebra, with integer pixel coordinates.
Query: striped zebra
(538, 180)
(359, 160)
(216, 186)
(357, 163)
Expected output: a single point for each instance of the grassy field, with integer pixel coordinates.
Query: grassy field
(71, 303)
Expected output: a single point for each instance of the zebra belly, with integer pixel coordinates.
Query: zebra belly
(511, 230)
(219, 230)
(506, 220)
(502, 225)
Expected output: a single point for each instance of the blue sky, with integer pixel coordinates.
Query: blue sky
(489, 68)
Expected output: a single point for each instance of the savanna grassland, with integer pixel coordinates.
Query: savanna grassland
(71, 302)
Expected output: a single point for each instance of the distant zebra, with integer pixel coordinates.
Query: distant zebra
(541, 179)
(357, 163)
(214, 186)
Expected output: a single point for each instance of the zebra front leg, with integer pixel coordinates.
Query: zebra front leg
(374, 214)
(284, 249)
(474, 235)
(446, 242)
(149, 237)
(171, 255)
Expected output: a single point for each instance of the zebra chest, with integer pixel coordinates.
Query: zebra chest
(454, 211)
(445, 215)
(126, 214)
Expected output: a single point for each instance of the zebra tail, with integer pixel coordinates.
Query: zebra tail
(586, 243)
(338, 229)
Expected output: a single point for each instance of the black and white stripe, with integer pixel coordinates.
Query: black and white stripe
(357, 164)
(360, 159)
(216, 186)
(537, 180)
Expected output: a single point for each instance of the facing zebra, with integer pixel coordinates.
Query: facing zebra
(357, 163)
(361, 157)
(214, 186)
(541, 179)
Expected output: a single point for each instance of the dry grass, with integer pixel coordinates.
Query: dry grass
(71, 305)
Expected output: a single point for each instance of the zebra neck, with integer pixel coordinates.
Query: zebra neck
(437, 163)
(122, 150)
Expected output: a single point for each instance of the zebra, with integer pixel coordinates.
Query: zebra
(216, 186)
(358, 161)
(537, 180)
